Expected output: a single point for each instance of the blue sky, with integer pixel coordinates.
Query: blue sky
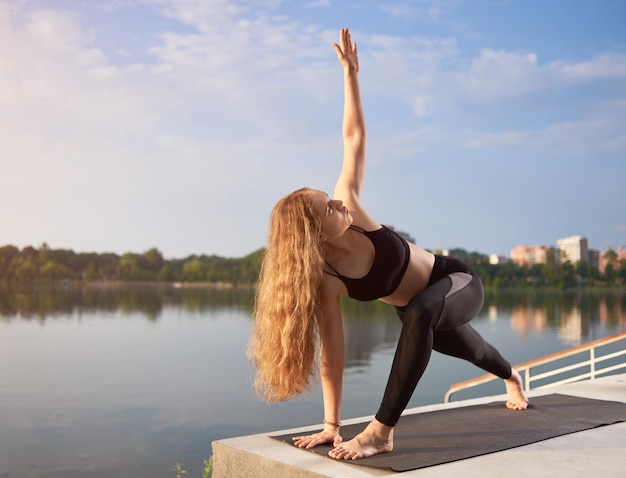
(177, 124)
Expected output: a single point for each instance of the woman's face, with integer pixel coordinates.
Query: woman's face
(334, 216)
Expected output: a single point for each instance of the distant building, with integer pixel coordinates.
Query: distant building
(594, 258)
(529, 255)
(620, 255)
(573, 248)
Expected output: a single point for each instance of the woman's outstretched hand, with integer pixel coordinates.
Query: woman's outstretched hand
(346, 51)
(325, 436)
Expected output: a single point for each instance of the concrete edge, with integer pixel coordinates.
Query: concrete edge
(255, 456)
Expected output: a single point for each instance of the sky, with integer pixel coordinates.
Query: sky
(178, 124)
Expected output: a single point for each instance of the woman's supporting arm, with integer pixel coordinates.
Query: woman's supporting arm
(332, 361)
(331, 370)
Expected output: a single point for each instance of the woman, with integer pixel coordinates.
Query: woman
(321, 248)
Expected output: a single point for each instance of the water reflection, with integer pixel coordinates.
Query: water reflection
(575, 315)
(45, 302)
(369, 326)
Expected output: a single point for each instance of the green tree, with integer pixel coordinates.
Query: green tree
(193, 270)
(622, 270)
(165, 274)
(566, 274)
(151, 260)
(583, 271)
(25, 270)
(612, 267)
(52, 271)
(107, 265)
(127, 268)
(549, 270)
(91, 273)
(43, 253)
(7, 254)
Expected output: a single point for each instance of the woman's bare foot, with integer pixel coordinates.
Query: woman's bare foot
(376, 438)
(516, 399)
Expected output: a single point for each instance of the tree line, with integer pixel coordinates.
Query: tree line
(45, 264)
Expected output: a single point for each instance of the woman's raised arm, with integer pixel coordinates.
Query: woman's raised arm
(350, 182)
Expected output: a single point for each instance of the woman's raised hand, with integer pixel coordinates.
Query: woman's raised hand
(346, 51)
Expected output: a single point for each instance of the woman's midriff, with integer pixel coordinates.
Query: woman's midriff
(415, 278)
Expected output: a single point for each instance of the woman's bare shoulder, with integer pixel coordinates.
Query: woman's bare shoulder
(332, 288)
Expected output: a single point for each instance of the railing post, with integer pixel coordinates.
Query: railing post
(527, 379)
(592, 360)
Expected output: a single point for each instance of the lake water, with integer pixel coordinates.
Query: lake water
(127, 381)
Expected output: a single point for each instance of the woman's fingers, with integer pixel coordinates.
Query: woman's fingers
(310, 441)
(305, 442)
(346, 40)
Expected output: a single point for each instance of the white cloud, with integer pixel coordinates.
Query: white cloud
(495, 74)
(433, 10)
(318, 4)
(604, 66)
(569, 139)
(398, 10)
(498, 74)
(439, 85)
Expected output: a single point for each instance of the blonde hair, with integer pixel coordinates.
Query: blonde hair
(285, 335)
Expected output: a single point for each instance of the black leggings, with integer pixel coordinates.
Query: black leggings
(438, 318)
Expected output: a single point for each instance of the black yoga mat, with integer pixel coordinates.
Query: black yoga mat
(443, 436)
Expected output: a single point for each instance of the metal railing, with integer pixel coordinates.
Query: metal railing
(592, 364)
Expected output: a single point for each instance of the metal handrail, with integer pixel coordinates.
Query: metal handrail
(525, 368)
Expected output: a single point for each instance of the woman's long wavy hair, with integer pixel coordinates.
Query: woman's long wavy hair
(285, 336)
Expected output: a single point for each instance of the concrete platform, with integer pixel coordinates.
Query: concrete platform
(596, 452)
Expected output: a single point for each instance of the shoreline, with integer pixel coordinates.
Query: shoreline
(125, 283)
(112, 283)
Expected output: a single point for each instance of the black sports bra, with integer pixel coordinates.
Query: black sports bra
(391, 259)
